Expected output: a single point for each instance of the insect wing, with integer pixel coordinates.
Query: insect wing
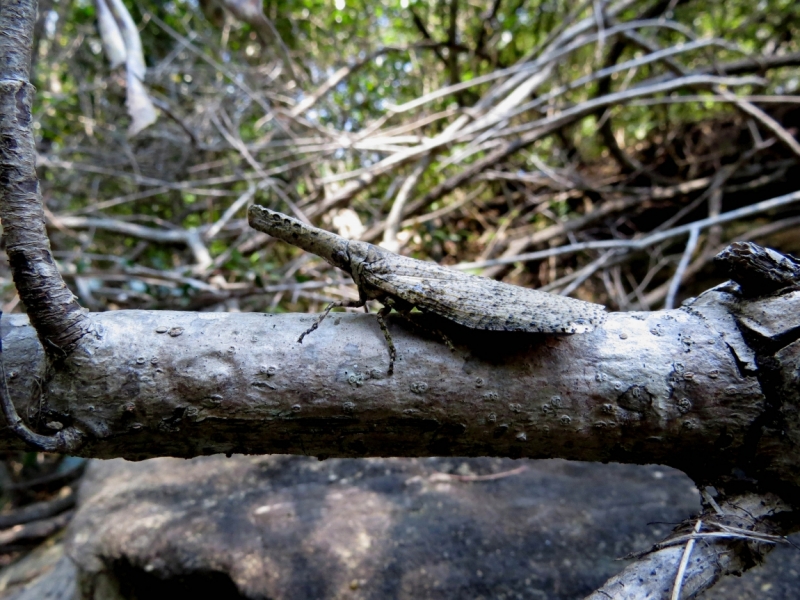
(481, 303)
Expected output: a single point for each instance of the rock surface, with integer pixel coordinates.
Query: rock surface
(285, 527)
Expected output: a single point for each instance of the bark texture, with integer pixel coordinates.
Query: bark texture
(662, 387)
(53, 310)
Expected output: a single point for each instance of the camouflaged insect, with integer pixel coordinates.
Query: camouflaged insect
(403, 283)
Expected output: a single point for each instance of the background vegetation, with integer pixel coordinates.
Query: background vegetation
(453, 131)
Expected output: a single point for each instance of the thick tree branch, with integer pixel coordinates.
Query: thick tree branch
(662, 387)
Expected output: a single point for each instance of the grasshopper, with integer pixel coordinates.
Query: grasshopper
(403, 283)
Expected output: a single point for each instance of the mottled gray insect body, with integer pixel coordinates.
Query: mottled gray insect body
(402, 282)
(476, 302)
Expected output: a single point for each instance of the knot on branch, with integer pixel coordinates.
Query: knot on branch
(759, 271)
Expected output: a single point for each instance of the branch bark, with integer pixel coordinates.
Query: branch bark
(659, 387)
(54, 311)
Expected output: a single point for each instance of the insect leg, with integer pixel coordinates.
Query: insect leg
(353, 304)
(405, 313)
(381, 321)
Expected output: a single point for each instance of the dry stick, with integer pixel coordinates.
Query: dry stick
(190, 237)
(164, 280)
(393, 220)
(37, 511)
(606, 72)
(691, 245)
(212, 231)
(445, 210)
(581, 275)
(345, 72)
(591, 106)
(558, 50)
(276, 36)
(235, 142)
(257, 98)
(450, 135)
(777, 99)
(676, 588)
(641, 243)
(368, 174)
(763, 118)
(660, 292)
(11, 539)
(186, 186)
(749, 108)
(565, 227)
(732, 533)
(715, 186)
(141, 195)
(241, 148)
(717, 181)
(550, 58)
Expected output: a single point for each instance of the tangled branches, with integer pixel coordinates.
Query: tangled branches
(643, 144)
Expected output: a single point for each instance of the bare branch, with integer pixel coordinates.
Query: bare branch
(691, 244)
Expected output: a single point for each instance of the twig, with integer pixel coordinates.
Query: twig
(682, 99)
(190, 237)
(615, 98)
(763, 118)
(490, 477)
(676, 588)
(257, 98)
(445, 210)
(691, 244)
(212, 231)
(659, 293)
(581, 275)
(37, 511)
(35, 531)
(395, 214)
(335, 79)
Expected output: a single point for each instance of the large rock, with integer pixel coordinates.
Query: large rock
(291, 527)
(288, 527)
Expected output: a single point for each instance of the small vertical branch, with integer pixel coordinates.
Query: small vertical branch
(53, 310)
(687, 553)
(675, 284)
